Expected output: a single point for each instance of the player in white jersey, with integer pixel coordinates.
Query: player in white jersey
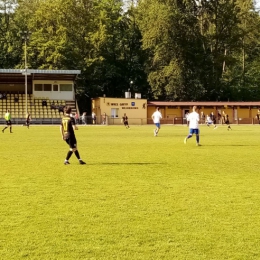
(193, 119)
(208, 120)
(157, 119)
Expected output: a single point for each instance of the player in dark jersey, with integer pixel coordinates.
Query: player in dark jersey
(28, 120)
(125, 121)
(67, 128)
(226, 120)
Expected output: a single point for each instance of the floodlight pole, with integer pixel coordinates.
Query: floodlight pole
(25, 65)
(25, 37)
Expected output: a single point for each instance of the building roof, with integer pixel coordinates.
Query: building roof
(202, 103)
(40, 71)
(17, 75)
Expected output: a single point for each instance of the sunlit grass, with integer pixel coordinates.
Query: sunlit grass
(138, 197)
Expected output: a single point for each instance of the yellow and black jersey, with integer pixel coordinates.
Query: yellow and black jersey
(67, 123)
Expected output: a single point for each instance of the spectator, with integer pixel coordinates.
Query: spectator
(61, 109)
(93, 118)
(76, 118)
(186, 117)
(83, 118)
(16, 99)
(53, 106)
(104, 118)
(258, 115)
(202, 117)
(44, 103)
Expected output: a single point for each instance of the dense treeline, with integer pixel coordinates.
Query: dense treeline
(169, 49)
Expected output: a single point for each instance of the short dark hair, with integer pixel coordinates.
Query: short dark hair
(67, 109)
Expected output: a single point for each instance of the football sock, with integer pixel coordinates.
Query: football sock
(4, 129)
(69, 155)
(77, 154)
(197, 139)
(10, 129)
(189, 136)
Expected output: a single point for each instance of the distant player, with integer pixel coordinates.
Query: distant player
(67, 128)
(157, 116)
(193, 119)
(214, 119)
(8, 121)
(226, 120)
(211, 120)
(125, 120)
(28, 120)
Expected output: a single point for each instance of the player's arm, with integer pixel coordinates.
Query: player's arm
(62, 131)
(74, 124)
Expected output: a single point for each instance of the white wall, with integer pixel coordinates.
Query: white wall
(64, 95)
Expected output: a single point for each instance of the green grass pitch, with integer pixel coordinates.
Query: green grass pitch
(138, 197)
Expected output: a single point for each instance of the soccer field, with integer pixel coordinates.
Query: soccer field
(138, 196)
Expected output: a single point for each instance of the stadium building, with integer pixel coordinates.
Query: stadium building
(42, 93)
(115, 108)
(174, 112)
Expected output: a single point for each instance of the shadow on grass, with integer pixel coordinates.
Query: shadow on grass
(232, 145)
(130, 163)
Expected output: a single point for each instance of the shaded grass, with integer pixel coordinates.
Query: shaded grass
(138, 197)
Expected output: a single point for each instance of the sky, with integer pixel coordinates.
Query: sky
(257, 3)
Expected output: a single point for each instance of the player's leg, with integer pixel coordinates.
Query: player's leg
(214, 122)
(188, 136)
(228, 125)
(154, 131)
(198, 138)
(5, 127)
(70, 152)
(157, 128)
(76, 152)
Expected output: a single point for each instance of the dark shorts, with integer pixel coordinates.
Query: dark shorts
(125, 122)
(72, 142)
(8, 122)
(227, 122)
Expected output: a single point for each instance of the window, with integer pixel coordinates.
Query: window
(47, 87)
(38, 87)
(114, 112)
(65, 87)
(55, 87)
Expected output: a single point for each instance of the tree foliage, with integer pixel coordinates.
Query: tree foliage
(169, 49)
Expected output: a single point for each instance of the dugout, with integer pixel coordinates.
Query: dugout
(174, 112)
(114, 108)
